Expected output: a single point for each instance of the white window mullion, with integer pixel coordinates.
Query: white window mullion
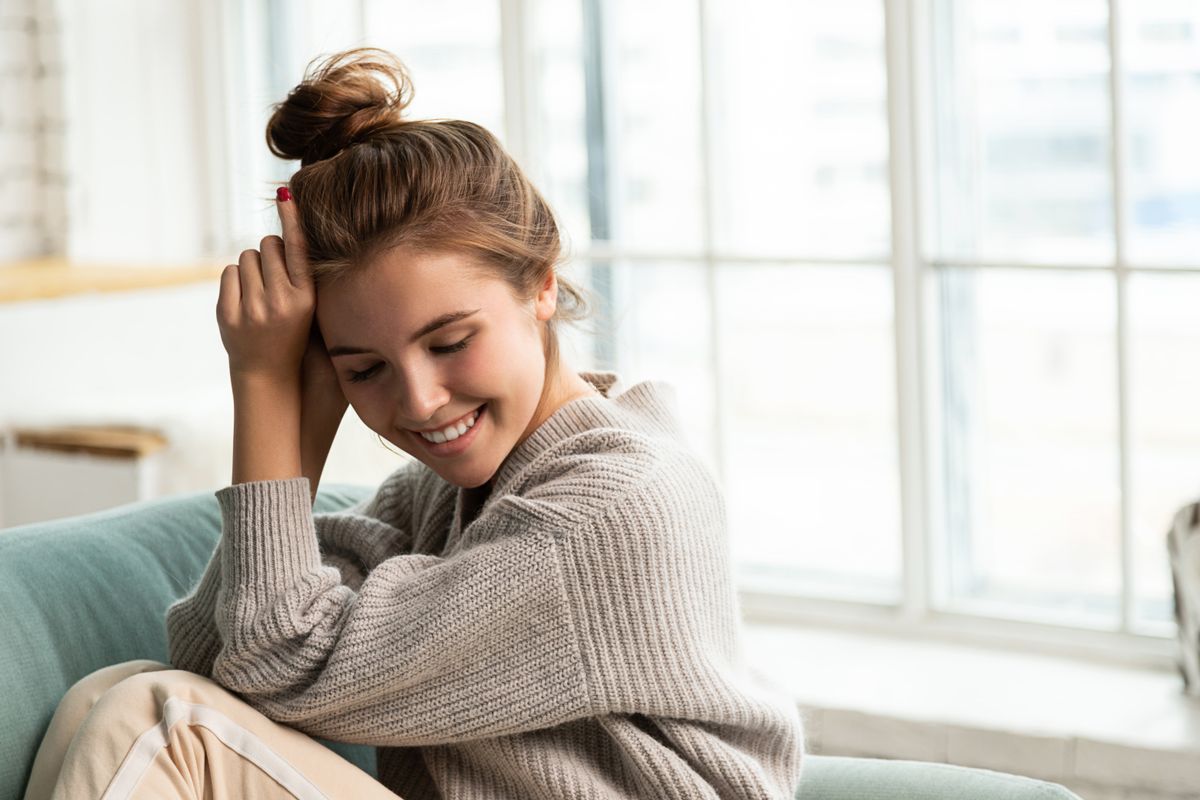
(515, 52)
(1117, 153)
(707, 220)
(907, 276)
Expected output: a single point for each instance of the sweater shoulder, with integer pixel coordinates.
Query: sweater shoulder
(581, 476)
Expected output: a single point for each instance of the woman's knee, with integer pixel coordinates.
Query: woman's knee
(84, 693)
(151, 688)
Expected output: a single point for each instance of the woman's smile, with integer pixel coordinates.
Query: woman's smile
(447, 447)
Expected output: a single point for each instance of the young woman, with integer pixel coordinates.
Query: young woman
(538, 605)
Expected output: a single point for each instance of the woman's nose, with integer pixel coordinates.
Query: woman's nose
(420, 399)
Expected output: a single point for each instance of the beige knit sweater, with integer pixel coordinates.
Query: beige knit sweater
(578, 639)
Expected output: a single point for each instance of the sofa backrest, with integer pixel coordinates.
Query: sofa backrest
(80, 593)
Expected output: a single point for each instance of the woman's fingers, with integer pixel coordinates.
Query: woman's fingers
(294, 246)
(229, 297)
(266, 304)
(251, 278)
(275, 269)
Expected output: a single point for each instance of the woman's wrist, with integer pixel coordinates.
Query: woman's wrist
(266, 428)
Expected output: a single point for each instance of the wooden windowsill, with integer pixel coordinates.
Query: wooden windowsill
(43, 278)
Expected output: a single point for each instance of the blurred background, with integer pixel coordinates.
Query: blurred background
(925, 275)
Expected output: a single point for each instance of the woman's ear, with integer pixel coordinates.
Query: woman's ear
(546, 300)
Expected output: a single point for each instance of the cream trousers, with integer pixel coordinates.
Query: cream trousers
(141, 729)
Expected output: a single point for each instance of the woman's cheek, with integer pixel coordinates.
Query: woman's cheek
(369, 413)
(478, 362)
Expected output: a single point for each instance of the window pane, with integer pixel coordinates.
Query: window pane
(454, 58)
(1162, 114)
(1020, 128)
(618, 109)
(1031, 470)
(660, 329)
(1164, 395)
(800, 128)
(810, 428)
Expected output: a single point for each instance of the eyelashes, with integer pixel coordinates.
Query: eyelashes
(454, 348)
(358, 377)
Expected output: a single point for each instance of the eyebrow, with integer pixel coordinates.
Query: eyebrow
(426, 329)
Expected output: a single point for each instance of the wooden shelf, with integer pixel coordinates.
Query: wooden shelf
(44, 278)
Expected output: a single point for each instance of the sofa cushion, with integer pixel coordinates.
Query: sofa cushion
(843, 778)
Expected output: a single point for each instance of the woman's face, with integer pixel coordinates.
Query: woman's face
(401, 376)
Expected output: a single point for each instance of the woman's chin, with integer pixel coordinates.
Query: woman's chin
(457, 478)
(453, 470)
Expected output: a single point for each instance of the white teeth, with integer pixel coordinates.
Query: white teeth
(453, 432)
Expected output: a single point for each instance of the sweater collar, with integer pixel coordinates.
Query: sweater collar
(648, 407)
(572, 417)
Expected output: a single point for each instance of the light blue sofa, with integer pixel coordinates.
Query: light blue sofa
(81, 593)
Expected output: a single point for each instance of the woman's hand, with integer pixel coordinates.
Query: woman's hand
(266, 304)
(265, 312)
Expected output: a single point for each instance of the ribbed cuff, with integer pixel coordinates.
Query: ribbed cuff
(269, 538)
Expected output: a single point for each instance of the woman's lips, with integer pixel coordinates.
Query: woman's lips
(459, 445)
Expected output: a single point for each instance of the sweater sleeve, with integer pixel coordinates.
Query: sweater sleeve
(353, 540)
(428, 649)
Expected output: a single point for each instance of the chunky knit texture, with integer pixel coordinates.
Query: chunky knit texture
(578, 639)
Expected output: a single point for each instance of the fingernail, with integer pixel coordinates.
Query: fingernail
(282, 194)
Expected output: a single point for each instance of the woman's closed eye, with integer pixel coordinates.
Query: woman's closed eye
(357, 377)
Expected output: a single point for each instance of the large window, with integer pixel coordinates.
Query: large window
(924, 274)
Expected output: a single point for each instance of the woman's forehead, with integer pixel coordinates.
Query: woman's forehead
(402, 295)
(408, 275)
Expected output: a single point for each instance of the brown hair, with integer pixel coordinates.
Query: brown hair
(371, 180)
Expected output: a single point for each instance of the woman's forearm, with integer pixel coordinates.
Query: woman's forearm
(266, 428)
(320, 418)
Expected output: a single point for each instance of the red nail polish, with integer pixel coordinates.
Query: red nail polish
(282, 194)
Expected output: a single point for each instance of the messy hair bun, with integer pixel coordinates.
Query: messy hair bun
(343, 100)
